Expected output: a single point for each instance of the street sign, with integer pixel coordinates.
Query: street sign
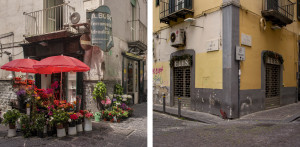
(240, 53)
(101, 28)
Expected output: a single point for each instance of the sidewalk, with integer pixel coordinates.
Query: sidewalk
(285, 114)
(193, 115)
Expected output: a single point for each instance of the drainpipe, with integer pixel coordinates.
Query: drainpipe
(239, 86)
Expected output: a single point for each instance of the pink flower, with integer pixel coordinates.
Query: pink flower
(108, 101)
(103, 102)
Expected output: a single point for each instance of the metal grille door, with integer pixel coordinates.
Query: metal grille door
(182, 86)
(272, 86)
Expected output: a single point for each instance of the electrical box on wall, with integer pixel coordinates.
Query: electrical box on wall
(178, 38)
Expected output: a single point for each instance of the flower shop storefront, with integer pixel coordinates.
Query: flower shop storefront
(72, 82)
(49, 99)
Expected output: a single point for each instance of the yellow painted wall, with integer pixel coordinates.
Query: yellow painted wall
(256, 6)
(199, 7)
(161, 77)
(209, 70)
(281, 41)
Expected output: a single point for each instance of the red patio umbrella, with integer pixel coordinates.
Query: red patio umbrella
(20, 65)
(59, 64)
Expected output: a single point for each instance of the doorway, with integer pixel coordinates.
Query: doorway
(182, 86)
(272, 86)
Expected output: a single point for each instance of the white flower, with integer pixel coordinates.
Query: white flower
(51, 118)
(69, 120)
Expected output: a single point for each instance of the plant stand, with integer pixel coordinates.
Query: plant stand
(87, 124)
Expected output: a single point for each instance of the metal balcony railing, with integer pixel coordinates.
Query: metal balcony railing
(138, 32)
(284, 8)
(169, 7)
(47, 20)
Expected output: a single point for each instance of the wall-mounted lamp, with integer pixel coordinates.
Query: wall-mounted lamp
(190, 20)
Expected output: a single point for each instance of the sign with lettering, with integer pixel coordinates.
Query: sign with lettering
(240, 53)
(182, 63)
(101, 28)
(246, 39)
(212, 45)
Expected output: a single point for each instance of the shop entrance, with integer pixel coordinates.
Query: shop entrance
(182, 86)
(272, 86)
(68, 84)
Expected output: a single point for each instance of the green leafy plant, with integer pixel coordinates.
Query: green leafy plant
(40, 122)
(60, 116)
(11, 116)
(26, 126)
(99, 91)
(274, 55)
(118, 89)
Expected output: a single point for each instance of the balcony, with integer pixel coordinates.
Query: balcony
(280, 12)
(138, 37)
(173, 9)
(49, 23)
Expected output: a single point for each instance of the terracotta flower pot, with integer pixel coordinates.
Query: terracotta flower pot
(105, 119)
(119, 120)
(112, 120)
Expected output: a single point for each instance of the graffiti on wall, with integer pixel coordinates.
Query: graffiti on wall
(157, 75)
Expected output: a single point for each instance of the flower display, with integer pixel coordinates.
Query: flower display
(73, 116)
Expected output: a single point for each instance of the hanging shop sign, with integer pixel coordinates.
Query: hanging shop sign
(101, 28)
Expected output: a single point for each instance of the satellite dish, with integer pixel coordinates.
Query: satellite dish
(75, 17)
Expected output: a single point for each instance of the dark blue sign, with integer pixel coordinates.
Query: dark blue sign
(101, 28)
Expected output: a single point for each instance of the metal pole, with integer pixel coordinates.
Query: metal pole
(179, 107)
(164, 103)
(60, 84)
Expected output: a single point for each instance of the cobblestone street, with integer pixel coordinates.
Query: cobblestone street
(131, 132)
(171, 131)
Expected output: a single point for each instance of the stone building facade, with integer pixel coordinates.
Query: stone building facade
(39, 29)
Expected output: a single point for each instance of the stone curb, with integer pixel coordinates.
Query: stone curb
(200, 116)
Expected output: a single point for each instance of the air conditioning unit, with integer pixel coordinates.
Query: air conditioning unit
(178, 38)
(179, 4)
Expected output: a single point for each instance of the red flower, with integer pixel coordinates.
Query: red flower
(109, 114)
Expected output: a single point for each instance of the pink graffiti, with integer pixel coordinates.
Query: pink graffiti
(158, 70)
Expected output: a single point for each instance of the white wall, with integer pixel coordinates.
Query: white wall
(13, 20)
(196, 38)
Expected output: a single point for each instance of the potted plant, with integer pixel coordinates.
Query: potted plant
(88, 120)
(10, 118)
(105, 115)
(50, 126)
(72, 124)
(25, 125)
(40, 123)
(99, 94)
(60, 117)
(79, 122)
